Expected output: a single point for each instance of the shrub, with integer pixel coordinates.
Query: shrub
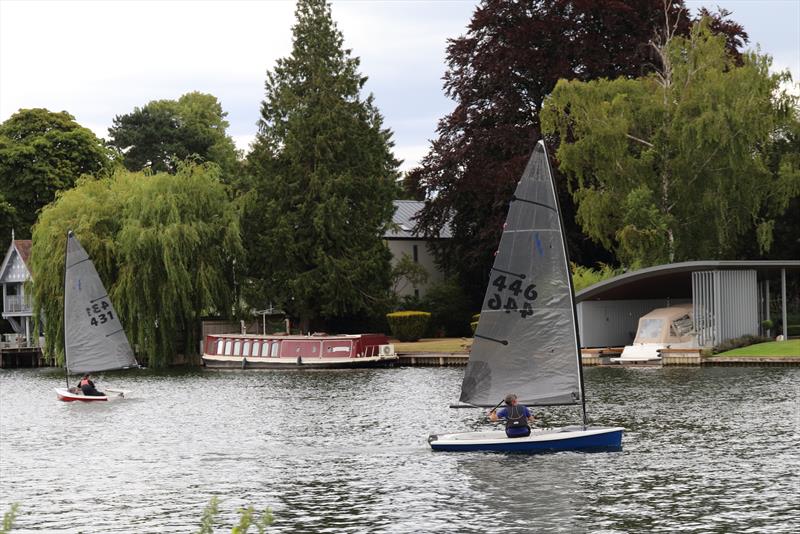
(450, 308)
(737, 342)
(408, 325)
(474, 324)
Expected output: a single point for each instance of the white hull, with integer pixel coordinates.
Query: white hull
(68, 396)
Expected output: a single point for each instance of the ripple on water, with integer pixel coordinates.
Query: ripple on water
(705, 450)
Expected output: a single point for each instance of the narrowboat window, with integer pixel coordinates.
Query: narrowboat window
(220, 346)
(313, 348)
(265, 349)
(237, 345)
(275, 348)
(246, 348)
(255, 348)
(228, 347)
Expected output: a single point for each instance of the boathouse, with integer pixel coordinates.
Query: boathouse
(729, 299)
(401, 239)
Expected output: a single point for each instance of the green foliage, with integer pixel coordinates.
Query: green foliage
(209, 514)
(41, 154)
(674, 166)
(323, 179)
(583, 277)
(246, 517)
(164, 245)
(450, 308)
(406, 271)
(8, 217)
(408, 325)
(163, 133)
(8, 519)
(473, 325)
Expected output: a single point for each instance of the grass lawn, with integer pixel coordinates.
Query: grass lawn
(774, 349)
(446, 345)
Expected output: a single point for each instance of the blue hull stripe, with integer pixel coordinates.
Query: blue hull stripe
(601, 442)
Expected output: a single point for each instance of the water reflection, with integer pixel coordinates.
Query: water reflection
(705, 450)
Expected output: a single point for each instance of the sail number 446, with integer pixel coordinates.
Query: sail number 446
(510, 303)
(99, 313)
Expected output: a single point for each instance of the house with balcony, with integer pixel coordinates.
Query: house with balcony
(17, 309)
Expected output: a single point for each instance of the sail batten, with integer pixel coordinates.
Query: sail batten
(94, 339)
(526, 340)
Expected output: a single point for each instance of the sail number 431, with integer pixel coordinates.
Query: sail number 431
(507, 301)
(99, 313)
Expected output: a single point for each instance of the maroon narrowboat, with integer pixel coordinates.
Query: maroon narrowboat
(243, 351)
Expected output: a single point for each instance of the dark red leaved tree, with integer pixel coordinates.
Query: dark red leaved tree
(499, 73)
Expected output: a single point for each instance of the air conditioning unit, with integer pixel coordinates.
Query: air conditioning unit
(386, 350)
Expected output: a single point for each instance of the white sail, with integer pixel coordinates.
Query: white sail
(93, 336)
(526, 341)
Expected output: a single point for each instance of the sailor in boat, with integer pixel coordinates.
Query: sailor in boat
(87, 387)
(518, 417)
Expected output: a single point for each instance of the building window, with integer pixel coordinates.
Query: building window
(416, 293)
(416, 254)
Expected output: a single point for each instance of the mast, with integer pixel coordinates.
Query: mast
(64, 310)
(571, 288)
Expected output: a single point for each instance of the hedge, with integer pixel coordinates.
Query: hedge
(408, 325)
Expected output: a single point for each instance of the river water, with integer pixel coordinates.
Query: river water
(712, 449)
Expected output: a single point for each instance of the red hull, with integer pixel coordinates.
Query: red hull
(65, 396)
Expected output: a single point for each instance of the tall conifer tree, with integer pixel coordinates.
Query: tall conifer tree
(324, 178)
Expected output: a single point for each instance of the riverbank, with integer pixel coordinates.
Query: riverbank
(455, 352)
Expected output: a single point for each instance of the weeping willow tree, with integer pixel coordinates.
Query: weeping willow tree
(164, 245)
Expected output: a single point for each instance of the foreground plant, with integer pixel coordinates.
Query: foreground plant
(8, 519)
(246, 519)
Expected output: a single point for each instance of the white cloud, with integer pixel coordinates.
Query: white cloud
(101, 59)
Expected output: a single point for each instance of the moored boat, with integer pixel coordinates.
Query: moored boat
(244, 351)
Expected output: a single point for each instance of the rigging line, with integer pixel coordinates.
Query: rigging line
(76, 263)
(508, 272)
(99, 298)
(501, 341)
(114, 332)
(533, 202)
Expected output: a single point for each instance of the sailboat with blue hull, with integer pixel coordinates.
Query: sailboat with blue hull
(527, 340)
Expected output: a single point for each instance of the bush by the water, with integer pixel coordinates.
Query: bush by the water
(408, 325)
(450, 309)
(738, 342)
(473, 325)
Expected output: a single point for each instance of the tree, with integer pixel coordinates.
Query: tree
(499, 74)
(324, 180)
(42, 153)
(8, 216)
(164, 246)
(163, 133)
(674, 166)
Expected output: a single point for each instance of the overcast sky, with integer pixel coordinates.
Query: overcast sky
(100, 59)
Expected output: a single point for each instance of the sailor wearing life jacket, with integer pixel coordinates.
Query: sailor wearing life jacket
(87, 387)
(517, 416)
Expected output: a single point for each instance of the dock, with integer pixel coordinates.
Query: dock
(597, 357)
(16, 357)
(432, 359)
